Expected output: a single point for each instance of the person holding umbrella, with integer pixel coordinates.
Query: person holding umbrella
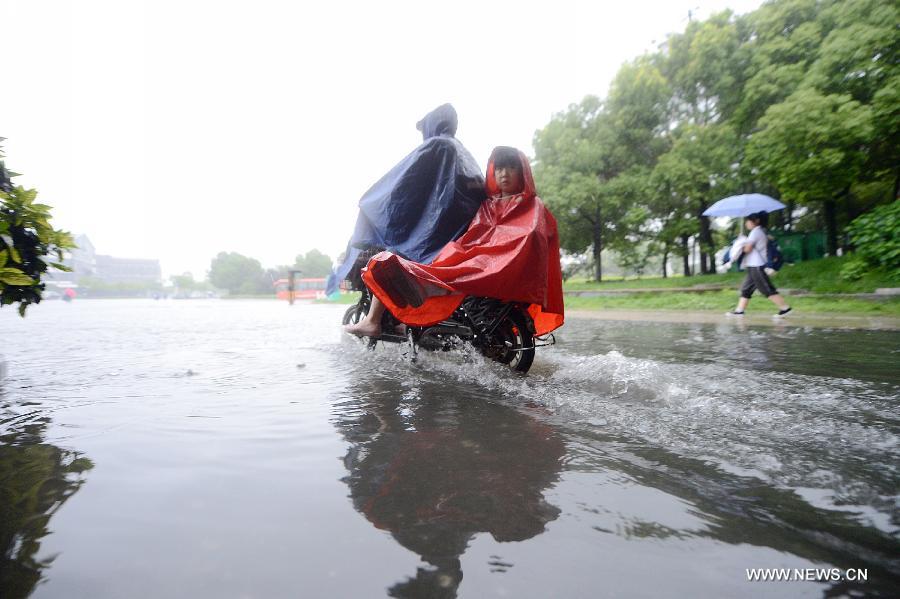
(755, 252)
(755, 259)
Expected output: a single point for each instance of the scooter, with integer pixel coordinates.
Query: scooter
(501, 331)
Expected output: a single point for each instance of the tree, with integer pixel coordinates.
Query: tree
(780, 40)
(313, 264)
(701, 167)
(183, 281)
(799, 99)
(704, 67)
(26, 241)
(590, 159)
(238, 274)
(812, 146)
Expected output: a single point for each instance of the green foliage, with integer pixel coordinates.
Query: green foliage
(815, 276)
(238, 274)
(812, 145)
(313, 264)
(854, 269)
(184, 281)
(26, 241)
(592, 160)
(876, 237)
(799, 99)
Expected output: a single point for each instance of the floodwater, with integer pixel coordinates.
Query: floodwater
(245, 449)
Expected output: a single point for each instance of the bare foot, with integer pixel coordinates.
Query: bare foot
(363, 329)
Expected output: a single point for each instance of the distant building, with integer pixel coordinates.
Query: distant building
(85, 262)
(82, 259)
(127, 270)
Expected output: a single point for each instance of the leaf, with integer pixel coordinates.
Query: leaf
(14, 254)
(4, 256)
(59, 266)
(14, 276)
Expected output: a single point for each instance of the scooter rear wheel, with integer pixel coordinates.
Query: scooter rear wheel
(512, 342)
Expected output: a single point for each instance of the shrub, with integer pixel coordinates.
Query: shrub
(26, 238)
(876, 237)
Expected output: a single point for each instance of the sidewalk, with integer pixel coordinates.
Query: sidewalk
(795, 319)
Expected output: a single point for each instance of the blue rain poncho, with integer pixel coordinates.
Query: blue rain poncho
(424, 202)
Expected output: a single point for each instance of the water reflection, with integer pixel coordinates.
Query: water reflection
(736, 510)
(36, 478)
(434, 469)
(858, 354)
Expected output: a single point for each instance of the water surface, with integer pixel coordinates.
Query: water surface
(244, 449)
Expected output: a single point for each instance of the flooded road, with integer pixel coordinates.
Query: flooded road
(244, 449)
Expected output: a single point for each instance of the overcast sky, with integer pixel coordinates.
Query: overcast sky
(175, 130)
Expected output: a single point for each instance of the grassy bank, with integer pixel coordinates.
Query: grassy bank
(816, 276)
(725, 300)
(242, 296)
(344, 298)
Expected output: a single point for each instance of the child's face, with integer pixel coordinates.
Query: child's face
(749, 224)
(509, 179)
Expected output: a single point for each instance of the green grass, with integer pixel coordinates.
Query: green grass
(652, 282)
(817, 276)
(344, 298)
(726, 299)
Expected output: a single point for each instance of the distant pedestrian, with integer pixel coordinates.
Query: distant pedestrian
(754, 262)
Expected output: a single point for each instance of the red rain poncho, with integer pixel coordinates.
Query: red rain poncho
(509, 252)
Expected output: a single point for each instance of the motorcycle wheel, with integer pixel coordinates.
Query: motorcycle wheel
(354, 314)
(512, 342)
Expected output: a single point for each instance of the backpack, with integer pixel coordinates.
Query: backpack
(776, 258)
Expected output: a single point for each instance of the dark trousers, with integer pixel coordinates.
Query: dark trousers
(757, 279)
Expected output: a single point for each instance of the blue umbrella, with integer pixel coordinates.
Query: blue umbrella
(743, 205)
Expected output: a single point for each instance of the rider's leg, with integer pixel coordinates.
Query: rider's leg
(370, 326)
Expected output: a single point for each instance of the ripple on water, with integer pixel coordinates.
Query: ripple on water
(789, 430)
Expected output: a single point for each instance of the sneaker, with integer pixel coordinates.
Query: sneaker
(782, 313)
(734, 313)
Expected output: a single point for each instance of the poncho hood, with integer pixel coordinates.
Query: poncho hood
(440, 121)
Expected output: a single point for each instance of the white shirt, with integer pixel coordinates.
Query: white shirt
(758, 256)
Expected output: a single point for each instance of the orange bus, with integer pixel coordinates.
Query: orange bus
(303, 288)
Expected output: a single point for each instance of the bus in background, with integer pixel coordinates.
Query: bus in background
(303, 289)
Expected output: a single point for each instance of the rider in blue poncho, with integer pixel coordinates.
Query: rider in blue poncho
(424, 202)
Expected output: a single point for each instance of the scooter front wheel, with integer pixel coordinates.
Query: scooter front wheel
(353, 315)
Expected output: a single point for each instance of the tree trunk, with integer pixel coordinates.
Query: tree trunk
(665, 265)
(789, 216)
(707, 259)
(694, 261)
(831, 227)
(597, 235)
(685, 258)
(896, 186)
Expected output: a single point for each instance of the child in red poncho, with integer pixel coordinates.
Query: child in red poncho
(509, 252)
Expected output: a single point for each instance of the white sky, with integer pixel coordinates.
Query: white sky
(178, 129)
